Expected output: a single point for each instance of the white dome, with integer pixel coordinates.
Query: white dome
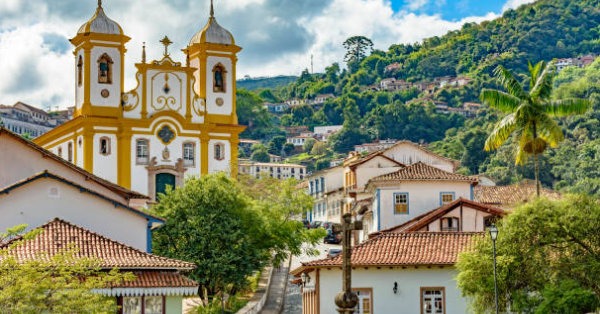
(101, 24)
(213, 33)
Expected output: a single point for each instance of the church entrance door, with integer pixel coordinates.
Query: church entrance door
(162, 180)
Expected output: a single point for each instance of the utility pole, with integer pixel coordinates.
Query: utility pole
(347, 300)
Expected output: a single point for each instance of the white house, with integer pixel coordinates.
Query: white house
(298, 141)
(400, 196)
(37, 186)
(404, 273)
(326, 187)
(408, 153)
(275, 170)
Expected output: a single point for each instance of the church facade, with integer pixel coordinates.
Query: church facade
(179, 121)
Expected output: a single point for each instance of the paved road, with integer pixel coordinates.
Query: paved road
(293, 298)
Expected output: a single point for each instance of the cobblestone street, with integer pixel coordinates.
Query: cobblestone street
(293, 298)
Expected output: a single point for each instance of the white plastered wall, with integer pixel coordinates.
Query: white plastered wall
(472, 219)
(215, 165)
(158, 100)
(105, 166)
(211, 97)
(423, 196)
(408, 155)
(406, 301)
(34, 204)
(373, 168)
(114, 89)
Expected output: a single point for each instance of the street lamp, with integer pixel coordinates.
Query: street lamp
(494, 236)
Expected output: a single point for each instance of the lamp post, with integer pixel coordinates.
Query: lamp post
(347, 300)
(494, 236)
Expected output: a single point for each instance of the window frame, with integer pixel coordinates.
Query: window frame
(407, 203)
(442, 289)
(193, 164)
(109, 71)
(107, 139)
(143, 303)
(223, 70)
(70, 152)
(442, 194)
(371, 298)
(450, 218)
(221, 151)
(137, 141)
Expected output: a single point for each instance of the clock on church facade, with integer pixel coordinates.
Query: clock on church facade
(179, 121)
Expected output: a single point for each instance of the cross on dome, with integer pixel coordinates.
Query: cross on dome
(166, 42)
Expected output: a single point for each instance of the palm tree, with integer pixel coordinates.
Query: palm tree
(529, 113)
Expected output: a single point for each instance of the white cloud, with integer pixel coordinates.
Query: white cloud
(513, 4)
(416, 4)
(278, 36)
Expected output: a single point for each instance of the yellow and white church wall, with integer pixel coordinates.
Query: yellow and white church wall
(185, 114)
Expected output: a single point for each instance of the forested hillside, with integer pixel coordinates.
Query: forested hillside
(544, 30)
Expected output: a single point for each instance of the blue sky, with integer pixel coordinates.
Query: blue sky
(278, 37)
(451, 10)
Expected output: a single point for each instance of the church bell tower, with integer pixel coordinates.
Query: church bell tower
(212, 51)
(99, 59)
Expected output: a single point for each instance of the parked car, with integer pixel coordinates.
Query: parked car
(333, 252)
(315, 224)
(326, 225)
(333, 237)
(306, 223)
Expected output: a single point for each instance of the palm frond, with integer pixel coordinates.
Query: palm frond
(569, 106)
(549, 130)
(501, 132)
(500, 100)
(543, 83)
(509, 82)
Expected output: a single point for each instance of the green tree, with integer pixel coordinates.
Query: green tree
(60, 284)
(308, 144)
(529, 113)
(288, 148)
(547, 257)
(357, 48)
(276, 145)
(211, 223)
(319, 148)
(278, 203)
(260, 156)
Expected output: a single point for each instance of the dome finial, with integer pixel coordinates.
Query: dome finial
(99, 3)
(212, 10)
(144, 52)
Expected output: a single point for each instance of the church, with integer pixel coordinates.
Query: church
(179, 121)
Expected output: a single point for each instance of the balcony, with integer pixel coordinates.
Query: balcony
(350, 189)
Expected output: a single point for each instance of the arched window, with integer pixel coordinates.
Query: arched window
(105, 69)
(70, 151)
(105, 146)
(219, 78)
(79, 71)
(219, 154)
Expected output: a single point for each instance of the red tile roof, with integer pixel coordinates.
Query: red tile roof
(421, 171)
(423, 220)
(510, 194)
(155, 279)
(404, 249)
(372, 156)
(58, 235)
(126, 193)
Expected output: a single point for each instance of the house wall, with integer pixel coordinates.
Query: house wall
(472, 219)
(373, 168)
(423, 196)
(18, 161)
(174, 305)
(408, 154)
(45, 199)
(408, 298)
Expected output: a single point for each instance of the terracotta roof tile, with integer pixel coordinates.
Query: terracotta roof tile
(58, 234)
(371, 156)
(405, 249)
(421, 171)
(155, 279)
(510, 194)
